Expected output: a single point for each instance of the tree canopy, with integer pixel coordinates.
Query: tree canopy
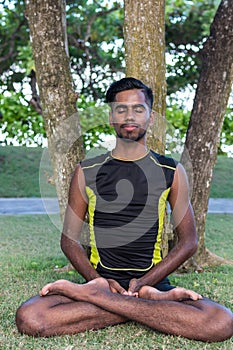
(96, 48)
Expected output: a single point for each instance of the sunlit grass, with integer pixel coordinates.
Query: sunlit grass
(30, 252)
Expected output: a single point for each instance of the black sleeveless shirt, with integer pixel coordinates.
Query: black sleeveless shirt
(127, 202)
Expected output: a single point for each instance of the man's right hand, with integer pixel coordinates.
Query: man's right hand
(115, 287)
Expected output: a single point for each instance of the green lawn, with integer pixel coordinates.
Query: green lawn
(25, 172)
(30, 251)
(222, 178)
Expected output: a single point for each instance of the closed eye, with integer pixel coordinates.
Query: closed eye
(121, 109)
(139, 109)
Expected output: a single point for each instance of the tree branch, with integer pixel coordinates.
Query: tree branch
(11, 52)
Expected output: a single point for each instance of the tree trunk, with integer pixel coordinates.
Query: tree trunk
(47, 23)
(206, 120)
(144, 37)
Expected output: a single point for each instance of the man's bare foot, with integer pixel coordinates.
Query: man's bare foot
(62, 287)
(176, 294)
(75, 291)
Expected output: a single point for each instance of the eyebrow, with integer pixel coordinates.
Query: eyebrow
(120, 105)
(129, 104)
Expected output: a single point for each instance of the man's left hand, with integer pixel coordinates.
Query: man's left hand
(134, 287)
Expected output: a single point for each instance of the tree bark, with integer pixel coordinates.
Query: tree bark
(144, 37)
(206, 120)
(47, 23)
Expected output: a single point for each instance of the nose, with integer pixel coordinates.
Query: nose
(130, 114)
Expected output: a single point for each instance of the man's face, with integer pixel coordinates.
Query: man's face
(130, 115)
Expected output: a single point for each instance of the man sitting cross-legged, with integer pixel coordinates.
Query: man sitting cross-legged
(125, 194)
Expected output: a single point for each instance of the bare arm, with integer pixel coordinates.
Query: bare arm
(183, 219)
(73, 224)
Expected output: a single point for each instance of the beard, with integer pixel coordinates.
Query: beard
(129, 136)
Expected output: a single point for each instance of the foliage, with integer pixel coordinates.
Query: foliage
(94, 122)
(14, 36)
(23, 124)
(187, 27)
(95, 37)
(94, 31)
(177, 123)
(20, 122)
(96, 52)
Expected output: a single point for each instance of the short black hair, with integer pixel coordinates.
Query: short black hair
(129, 83)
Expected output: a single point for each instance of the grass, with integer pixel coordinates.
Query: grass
(219, 234)
(30, 252)
(221, 186)
(24, 172)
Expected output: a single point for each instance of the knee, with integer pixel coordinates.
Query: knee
(220, 323)
(226, 322)
(29, 320)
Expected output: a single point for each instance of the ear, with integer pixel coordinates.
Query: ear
(110, 118)
(152, 118)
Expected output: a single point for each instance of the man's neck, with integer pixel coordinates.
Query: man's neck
(129, 150)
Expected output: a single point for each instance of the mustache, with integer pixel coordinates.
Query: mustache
(136, 125)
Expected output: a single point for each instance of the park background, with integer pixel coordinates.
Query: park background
(30, 252)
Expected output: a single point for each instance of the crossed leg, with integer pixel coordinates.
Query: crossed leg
(58, 315)
(67, 308)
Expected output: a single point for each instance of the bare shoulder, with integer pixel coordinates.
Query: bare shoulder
(77, 205)
(180, 181)
(77, 199)
(77, 182)
(180, 187)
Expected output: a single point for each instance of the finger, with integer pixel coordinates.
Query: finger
(45, 290)
(122, 291)
(125, 293)
(194, 296)
(115, 287)
(197, 297)
(113, 290)
(134, 286)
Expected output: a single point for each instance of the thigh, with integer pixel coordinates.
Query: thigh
(206, 305)
(56, 315)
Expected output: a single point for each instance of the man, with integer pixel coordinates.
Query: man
(125, 193)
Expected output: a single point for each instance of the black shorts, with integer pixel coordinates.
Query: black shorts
(163, 285)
